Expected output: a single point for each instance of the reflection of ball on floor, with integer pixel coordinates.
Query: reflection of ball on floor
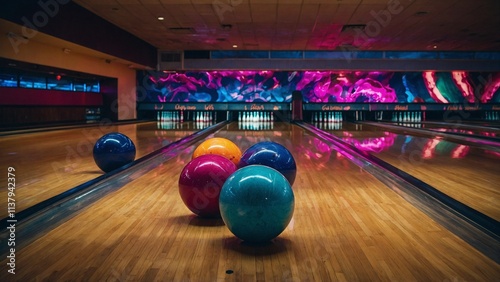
(273, 155)
(200, 183)
(113, 150)
(219, 146)
(256, 203)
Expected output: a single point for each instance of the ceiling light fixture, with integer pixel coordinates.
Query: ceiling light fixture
(235, 46)
(161, 18)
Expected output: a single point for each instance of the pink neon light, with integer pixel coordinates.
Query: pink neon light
(430, 83)
(377, 144)
(490, 87)
(460, 151)
(429, 149)
(460, 78)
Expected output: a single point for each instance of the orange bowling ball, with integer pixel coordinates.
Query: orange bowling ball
(219, 146)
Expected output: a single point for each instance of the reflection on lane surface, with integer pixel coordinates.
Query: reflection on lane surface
(466, 173)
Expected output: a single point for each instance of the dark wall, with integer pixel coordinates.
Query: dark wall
(110, 99)
(69, 21)
(16, 116)
(42, 97)
(27, 106)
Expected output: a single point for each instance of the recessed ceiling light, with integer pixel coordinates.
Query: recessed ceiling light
(435, 46)
(235, 46)
(161, 18)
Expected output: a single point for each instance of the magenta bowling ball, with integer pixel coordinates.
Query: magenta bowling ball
(201, 181)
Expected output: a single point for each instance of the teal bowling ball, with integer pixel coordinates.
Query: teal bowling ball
(113, 150)
(256, 203)
(273, 155)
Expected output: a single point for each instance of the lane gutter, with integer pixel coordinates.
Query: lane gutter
(489, 143)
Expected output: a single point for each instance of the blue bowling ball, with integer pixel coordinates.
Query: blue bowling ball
(113, 150)
(273, 155)
(256, 203)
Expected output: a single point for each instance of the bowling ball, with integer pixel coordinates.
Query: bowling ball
(113, 150)
(200, 183)
(219, 146)
(256, 203)
(273, 155)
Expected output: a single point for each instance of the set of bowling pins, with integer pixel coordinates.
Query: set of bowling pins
(255, 120)
(408, 117)
(255, 116)
(491, 116)
(170, 116)
(327, 117)
(169, 119)
(178, 116)
(174, 119)
(204, 117)
(359, 115)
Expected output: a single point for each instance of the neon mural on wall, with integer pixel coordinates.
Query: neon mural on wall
(323, 86)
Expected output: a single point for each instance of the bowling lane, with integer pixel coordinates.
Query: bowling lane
(466, 173)
(346, 226)
(51, 162)
(465, 129)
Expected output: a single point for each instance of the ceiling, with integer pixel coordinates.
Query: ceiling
(462, 25)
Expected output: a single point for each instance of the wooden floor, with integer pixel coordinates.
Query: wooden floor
(465, 173)
(49, 163)
(490, 129)
(347, 226)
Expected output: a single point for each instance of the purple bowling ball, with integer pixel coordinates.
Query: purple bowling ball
(273, 155)
(113, 150)
(201, 181)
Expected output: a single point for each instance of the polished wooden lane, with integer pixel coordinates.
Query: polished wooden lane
(347, 226)
(465, 173)
(51, 162)
(464, 128)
